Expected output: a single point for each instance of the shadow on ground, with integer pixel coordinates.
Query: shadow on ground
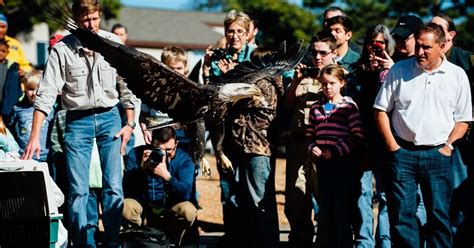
(212, 232)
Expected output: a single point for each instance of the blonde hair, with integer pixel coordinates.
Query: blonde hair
(174, 54)
(32, 79)
(237, 16)
(81, 8)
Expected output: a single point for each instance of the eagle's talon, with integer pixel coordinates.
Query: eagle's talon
(225, 164)
(205, 167)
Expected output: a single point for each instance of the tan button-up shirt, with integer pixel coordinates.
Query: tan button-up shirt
(85, 79)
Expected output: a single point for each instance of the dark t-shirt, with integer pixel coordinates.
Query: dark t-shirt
(3, 76)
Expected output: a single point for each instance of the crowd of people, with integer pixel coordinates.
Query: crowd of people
(394, 110)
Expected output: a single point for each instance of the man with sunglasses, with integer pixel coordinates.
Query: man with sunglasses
(301, 94)
(157, 185)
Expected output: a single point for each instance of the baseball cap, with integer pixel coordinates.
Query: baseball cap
(3, 18)
(406, 26)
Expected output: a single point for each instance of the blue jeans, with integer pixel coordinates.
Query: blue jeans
(81, 128)
(364, 218)
(364, 215)
(382, 233)
(459, 169)
(255, 199)
(459, 176)
(227, 182)
(364, 223)
(92, 216)
(433, 171)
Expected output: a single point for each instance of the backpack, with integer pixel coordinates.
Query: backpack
(146, 237)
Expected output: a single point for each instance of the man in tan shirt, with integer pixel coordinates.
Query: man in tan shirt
(90, 90)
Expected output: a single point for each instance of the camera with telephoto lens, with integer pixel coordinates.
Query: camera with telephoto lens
(218, 53)
(155, 158)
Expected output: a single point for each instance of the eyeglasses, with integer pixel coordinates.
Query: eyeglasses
(238, 32)
(315, 53)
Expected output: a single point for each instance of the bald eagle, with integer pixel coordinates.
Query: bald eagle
(185, 101)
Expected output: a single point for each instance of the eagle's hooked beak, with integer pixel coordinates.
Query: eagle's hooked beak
(237, 91)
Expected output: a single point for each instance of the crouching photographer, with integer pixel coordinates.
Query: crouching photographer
(157, 186)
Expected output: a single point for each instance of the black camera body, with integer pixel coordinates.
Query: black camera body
(310, 72)
(155, 158)
(218, 53)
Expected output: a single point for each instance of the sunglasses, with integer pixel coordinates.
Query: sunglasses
(323, 54)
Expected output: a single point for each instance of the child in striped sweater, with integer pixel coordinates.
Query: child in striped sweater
(335, 135)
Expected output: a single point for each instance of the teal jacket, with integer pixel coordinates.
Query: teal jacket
(349, 60)
(243, 55)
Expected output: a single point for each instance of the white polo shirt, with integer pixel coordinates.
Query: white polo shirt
(424, 106)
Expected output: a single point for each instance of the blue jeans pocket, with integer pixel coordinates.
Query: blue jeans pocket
(440, 163)
(437, 150)
(395, 155)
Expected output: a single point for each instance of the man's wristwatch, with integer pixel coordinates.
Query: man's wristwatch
(451, 147)
(131, 124)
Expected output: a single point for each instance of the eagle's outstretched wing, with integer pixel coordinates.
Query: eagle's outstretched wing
(164, 89)
(153, 82)
(267, 66)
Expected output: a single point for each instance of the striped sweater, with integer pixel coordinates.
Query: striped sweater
(338, 130)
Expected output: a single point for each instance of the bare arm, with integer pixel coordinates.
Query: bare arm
(206, 65)
(460, 128)
(126, 131)
(383, 124)
(34, 146)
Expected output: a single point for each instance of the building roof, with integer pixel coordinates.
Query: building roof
(156, 28)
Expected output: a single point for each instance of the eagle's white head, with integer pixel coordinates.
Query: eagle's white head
(234, 92)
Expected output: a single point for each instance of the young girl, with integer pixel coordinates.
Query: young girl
(7, 142)
(335, 134)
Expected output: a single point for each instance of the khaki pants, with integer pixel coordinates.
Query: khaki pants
(307, 175)
(174, 222)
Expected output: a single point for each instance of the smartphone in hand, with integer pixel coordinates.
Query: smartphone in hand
(377, 48)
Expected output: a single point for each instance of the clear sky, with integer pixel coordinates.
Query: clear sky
(170, 4)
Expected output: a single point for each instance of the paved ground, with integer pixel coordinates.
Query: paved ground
(210, 217)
